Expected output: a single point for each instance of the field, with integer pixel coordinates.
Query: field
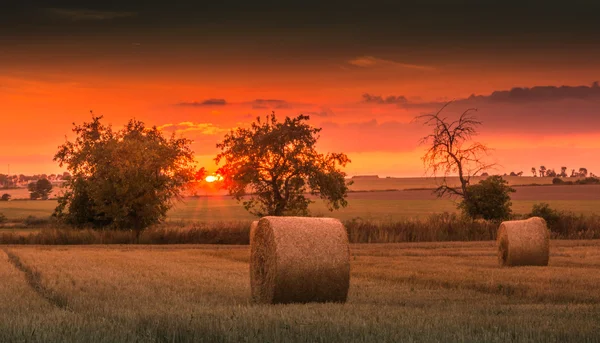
(399, 292)
(372, 205)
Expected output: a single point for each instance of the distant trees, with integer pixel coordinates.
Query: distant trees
(534, 171)
(550, 173)
(39, 189)
(583, 172)
(542, 171)
(563, 171)
(271, 165)
(124, 179)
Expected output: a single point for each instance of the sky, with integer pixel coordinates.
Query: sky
(361, 71)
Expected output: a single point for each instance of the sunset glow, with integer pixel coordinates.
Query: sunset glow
(361, 78)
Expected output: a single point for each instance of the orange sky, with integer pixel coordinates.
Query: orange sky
(48, 81)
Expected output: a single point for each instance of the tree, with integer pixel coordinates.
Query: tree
(520, 173)
(533, 171)
(126, 179)
(5, 197)
(39, 189)
(551, 173)
(512, 173)
(583, 172)
(449, 151)
(542, 171)
(271, 165)
(563, 171)
(489, 199)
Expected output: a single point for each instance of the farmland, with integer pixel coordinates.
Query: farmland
(399, 292)
(369, 205)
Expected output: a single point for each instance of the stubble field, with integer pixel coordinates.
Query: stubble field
(399, 292)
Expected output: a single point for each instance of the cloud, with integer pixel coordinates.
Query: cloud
(324, 112)
(372, 62)
(377, 99)
(207, 102)
(85, 14)
(542, 93)
(188, 126)
(270, 103)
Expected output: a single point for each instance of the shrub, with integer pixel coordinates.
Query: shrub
(5, 197)
(489, 199)
(2, 218)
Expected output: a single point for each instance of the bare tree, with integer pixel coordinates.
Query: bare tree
(449, 151)
(520, 173)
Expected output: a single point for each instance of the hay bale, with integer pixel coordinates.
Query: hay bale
(523, 242)
(252, 230)
(299, 260)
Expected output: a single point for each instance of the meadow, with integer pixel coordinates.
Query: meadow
(450, 292)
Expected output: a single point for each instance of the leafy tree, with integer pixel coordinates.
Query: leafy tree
(39, 189)
(450, 152)
(124, 179)
(551, 173)
(583, 172)
(5, 197)
(542, 171)
(533, 171)
(563, 171)
(489, 199)
(272, 165)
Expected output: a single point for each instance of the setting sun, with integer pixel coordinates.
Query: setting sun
(213, 178)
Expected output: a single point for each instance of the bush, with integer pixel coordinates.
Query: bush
(489, 199)
(543, 210)
(5, 197)
(2, 218)
(588, 181)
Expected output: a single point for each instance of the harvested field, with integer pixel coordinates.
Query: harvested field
(399, 292)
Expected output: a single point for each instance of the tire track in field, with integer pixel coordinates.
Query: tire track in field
(34, 279)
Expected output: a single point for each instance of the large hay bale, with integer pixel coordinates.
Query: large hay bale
(523, 242)
(299, 260)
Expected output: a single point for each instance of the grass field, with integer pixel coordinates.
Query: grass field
(378, 206)
(399, 292)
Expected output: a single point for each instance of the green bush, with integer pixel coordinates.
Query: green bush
(489, 199)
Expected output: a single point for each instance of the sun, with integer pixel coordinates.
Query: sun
(213, 178)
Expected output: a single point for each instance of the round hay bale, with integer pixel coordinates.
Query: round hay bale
(299, 260)
(252, 229)
(523, 242)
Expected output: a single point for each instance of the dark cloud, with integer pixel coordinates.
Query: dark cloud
(324, 112)
(400, 100)
(542, 93)
(270, 104)
(207, 102)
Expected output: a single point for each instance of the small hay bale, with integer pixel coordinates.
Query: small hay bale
(299, 260)
(252, 230)
(523, 242)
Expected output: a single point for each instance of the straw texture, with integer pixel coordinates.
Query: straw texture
(252, 230)
(299, 260)
(523, 242)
